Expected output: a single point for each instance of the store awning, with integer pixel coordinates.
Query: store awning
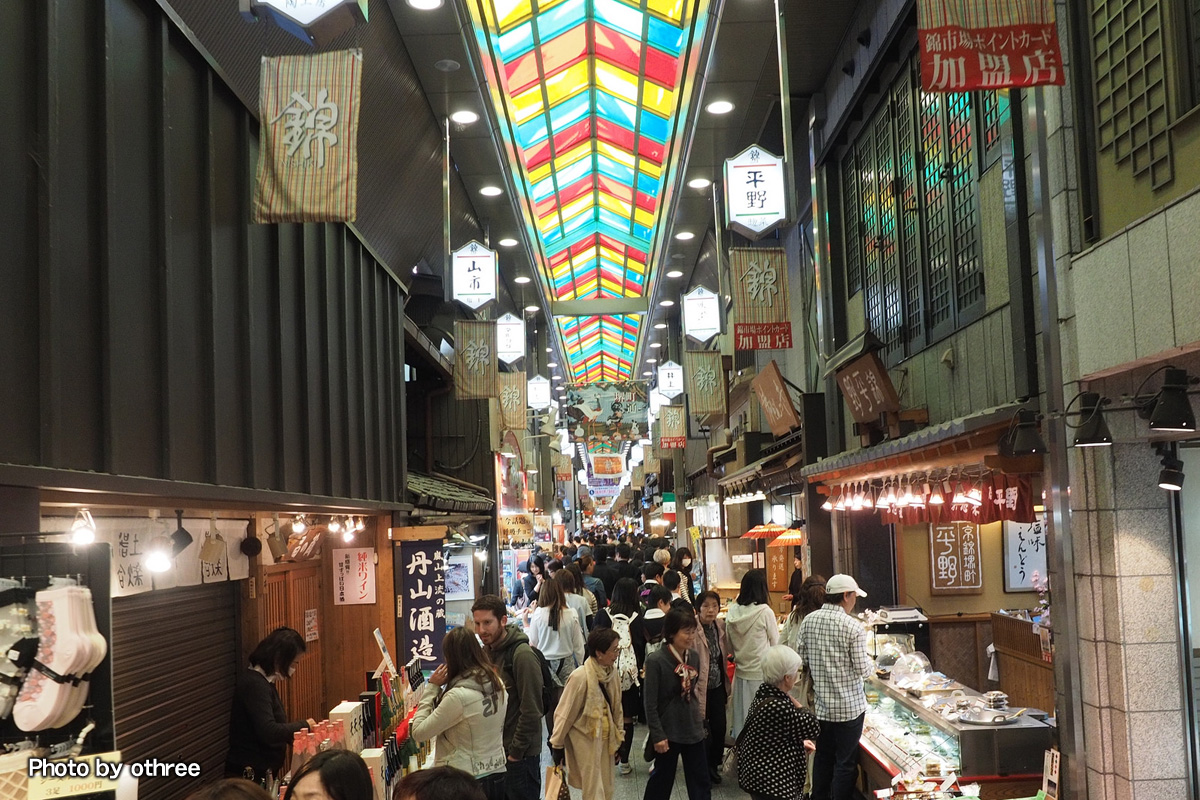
(964, 440)
(778, 469)
(441, 494)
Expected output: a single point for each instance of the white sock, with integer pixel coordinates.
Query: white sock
(60, 648)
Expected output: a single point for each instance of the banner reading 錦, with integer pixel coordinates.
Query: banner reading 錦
(308, 158)
(476, 367)
(512, 401)
(673, 427)
(705, 381)
(987, 44)
(760, 298)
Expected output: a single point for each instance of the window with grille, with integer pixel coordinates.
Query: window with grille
(910, 211)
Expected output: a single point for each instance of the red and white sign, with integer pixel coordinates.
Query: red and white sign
(983, 44)
(674, 428)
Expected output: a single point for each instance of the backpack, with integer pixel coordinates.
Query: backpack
(654, 642)
(627, 666)
(548, 684)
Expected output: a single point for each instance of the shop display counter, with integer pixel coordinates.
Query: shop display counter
(903, 735)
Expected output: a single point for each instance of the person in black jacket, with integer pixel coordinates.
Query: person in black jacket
(673, 712)
(259, 731)
(779, 733)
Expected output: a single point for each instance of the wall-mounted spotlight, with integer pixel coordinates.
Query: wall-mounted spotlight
(83, 529)
(1170, 477)
(1022, 437)
(1170, 410)
(1092, 430)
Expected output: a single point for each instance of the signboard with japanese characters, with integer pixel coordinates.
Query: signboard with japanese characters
(354, 576)
(474, 269)
(868, 389)
(512, 401)
(516, 527)
(701, 314)
(131, 542)
(705, 381)
(976, 44)
(510, 338)
(760, 298)
(423, 601)
(773, 398)
(538, 393)
(605, 415)
(670, 379)
(954, 552)
(1024, 554)
(476, 369)
(308, 164)
(608, 465)
(673, 428)
(755, 192)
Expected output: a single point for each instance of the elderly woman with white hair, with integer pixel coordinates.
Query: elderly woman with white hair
(773, 746)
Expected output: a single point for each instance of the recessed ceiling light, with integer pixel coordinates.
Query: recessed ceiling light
(651, 360)
(648, 373)
(675, 273)
(552, 365)
(666, 303)
(508, 242)
(684, 236)
(415, 270)
(522, 279)
(556, 378)
(491, 191)
(660, 325)
(699, 183)
(464, 117)
(656, 344)
(715, 107)
(532, 309)
(549, 349)
(446, 64)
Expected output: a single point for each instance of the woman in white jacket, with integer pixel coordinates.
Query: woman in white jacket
(464, 708)
(555, 630)
(752, 629)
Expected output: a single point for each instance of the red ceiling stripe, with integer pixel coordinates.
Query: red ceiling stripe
(623, 52)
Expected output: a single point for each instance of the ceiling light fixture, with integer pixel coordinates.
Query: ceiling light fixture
(508, 241)
(552, 364)
(658, 326)
(648, 373)
(522, 279)
(685, 236)
(666, 303)
(464, 117)
(447, 65)
(491, 191)
(675, 273)
(716, 106)
(532, 309)
(656, 345)
(699, 183)
(425, 5)
(651, 360)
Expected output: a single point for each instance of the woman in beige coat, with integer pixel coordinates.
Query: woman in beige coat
(587, 723)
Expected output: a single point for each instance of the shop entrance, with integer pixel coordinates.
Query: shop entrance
(293, 598)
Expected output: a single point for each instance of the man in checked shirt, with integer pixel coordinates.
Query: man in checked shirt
(833, 646)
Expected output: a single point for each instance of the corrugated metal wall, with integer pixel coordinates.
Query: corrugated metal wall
(174, 665)
(149, 330)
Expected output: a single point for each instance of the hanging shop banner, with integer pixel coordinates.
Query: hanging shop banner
(954, 566)
(760, 298)
(354, 576)
(512, 401)
(474, 270)
(670, 379)
(538, 393)
(701, 314)
(476, 371)
(674, 428)
(868, 389)
(605, 415)
(423, 606)
(775, 401)
(639, 477)
(516, 527)
(653, 463)
(510, 338)
(755, 192)
(705, 381)
(562, 467)
(975, 44)
(608, 465)
(308, 159)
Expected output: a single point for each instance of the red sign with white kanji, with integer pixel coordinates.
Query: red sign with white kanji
(982, 44)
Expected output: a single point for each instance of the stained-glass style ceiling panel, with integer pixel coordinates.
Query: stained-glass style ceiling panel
(592, 97)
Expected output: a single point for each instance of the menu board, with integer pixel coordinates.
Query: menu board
(954, 566)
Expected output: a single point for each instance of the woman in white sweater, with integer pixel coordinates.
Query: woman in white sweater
(464, 708)
(753, 630)
(555, 630)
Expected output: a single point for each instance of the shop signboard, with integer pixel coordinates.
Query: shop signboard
(538, 392)
(755, 192)
(775, 401)
(607, 464)
(954, 559)
(1024, 554)
(673, 424)
(701, 314)
(474, 269)
(308, 160)
(510, 338)
(605, 415)
(516, 527)
(760, 298)
(423, 594)
(778, 561)
(976, 45)
(354, 576)
(868, 389)
(512, 401)
(476, 368)
(311, 630)
(705, 381)
(603, 491)
(670, 379)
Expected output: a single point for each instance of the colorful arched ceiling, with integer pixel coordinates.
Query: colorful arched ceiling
(591, 97)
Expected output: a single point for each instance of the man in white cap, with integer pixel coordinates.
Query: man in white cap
(834, 648)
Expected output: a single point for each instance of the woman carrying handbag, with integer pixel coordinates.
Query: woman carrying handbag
(587, 723)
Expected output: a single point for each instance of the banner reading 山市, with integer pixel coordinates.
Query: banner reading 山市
(308, 158)
(605, 415)
(988, 44)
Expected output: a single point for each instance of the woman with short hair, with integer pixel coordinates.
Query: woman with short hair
(778, 735)
(332, 775)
